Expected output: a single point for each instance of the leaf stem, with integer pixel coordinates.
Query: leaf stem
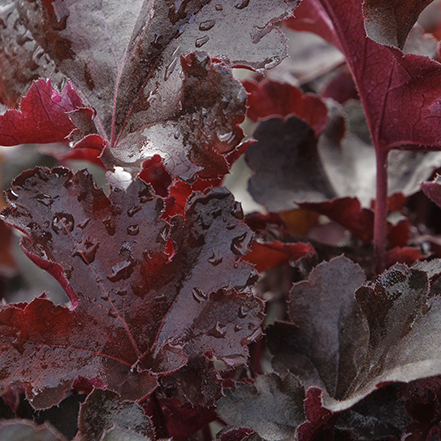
(380, 222)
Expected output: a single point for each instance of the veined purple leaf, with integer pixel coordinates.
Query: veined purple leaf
(130, 63)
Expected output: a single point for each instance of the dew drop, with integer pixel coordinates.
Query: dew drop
(163, 235)
(176, 348)
(199, 295)
(216, 258)
(241, 4)
(83, 225)
(170, 68)
(145, 196)
(201, 41)
(45, 199)
(206, 25)
(63, 223)
(132, 211)
(238, 328)
(219, 7)
(253, 337)
(133, 230)
(238, 245)
(161, 298)
(243, 311)
(237, 211)
(122, 270)
(86, 250)
(110, 226)
(219, 331)
(226, 137)
(42, 251)
(216, 213)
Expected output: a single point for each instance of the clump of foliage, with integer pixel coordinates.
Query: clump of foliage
(319, 319)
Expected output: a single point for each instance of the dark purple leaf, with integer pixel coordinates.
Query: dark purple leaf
(347, 339)
(104, 410)
(139, 309)
(390, 21)
(130, 63)
(259, 406)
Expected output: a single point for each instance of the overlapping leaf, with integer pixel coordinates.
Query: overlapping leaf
(293, 164)
(347, 344)
(43, 116)
(146, 295)
(103, 411)
(390, 21)
(272, 406)
(400, 94)
(129, 62)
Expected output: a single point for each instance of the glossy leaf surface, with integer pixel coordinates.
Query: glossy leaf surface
(139, 309)
(130, 63)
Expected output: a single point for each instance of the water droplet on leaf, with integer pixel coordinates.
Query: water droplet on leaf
(241, 4)
(201, 41)
(215, 258)
(219, 7)
(122, 270)
(133, 230)
(238, 246)
(199, 295)
(86, 250)
(63, 223)
(219, 331)
(237, 211)
(206, 25)
(110, 226)
(176, 348)
(253, 337)
(45, 199)
(243, 311)
(132, 211)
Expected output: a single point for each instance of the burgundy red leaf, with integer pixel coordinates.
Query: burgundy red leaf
(43, 116)
(139, 309)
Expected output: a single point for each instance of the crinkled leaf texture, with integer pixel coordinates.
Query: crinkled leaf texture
(272, 406)
(130, 63)
(146, 295)
(348, 339)
(23, 60)
(104, 411)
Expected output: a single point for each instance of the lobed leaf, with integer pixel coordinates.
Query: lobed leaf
(146, 295)
(347, 345)
(131, 64)
(104, 412)
(43, 116)
(272, 406)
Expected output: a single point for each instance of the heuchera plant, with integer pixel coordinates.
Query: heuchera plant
(318, 318)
